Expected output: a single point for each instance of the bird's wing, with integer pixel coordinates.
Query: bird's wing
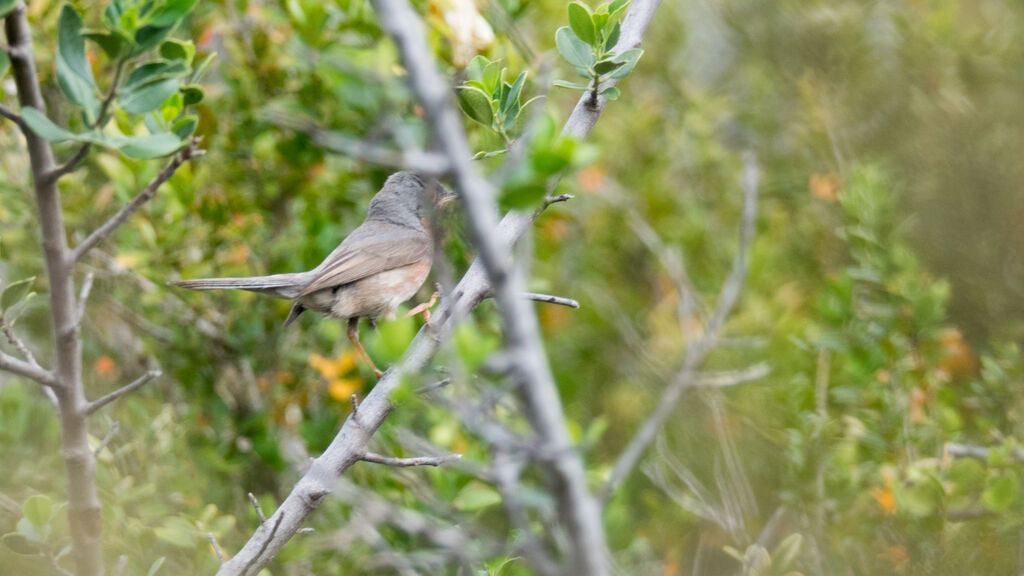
(370, 249)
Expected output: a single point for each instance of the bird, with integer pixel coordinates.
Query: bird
(377, 267)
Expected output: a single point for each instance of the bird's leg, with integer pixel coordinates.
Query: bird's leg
(353, 335)
(424, 308)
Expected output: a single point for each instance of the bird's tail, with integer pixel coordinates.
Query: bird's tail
(286, 286)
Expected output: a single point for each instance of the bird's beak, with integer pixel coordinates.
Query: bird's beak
(447, 197)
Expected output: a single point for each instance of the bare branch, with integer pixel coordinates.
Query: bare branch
(549, 299)
(130, 208)
(138, 383)
(27, 370)
(732, 377)
(17, 342)
(406, 462)
(351, 441)
(435, 386)
(696, 354)
(955, 450)
(557, 199)
(114, 429)
(256, 506)
(215, 546)
(72, 163)
(83, 295)
(13, 117)
(338, 143)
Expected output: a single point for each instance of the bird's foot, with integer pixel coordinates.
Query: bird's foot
(424, 308)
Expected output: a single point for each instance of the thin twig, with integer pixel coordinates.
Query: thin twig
(72, 163)
(955, 450)
(18, 343)
(83, 295)
(138, 383)
(435, 386)
(696, 354)
(256, 506)
(561, 301)
(13, 117)
(728, 378)
(130, 208)
(216, 547)
(407, 462)
(122, 563)
(559, 198)
(114, 429)
(338, 143)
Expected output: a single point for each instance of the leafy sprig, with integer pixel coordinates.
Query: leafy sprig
(588, 43)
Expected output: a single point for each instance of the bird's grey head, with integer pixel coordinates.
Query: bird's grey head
(406, 198)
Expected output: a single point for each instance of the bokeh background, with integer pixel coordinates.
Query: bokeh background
(885, 290)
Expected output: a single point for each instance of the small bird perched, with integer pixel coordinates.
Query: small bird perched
(380, 265)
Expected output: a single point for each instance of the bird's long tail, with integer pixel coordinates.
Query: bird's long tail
(286, 286)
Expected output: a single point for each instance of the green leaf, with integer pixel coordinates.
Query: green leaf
(171, 13)
(5, 63)
(616, 5)
(43, 127)
(492, 76)
(571, 85)
(12, 294)
(476, 496)
(114, 44)
(21, 545)
(1001, 492)
(152, 72)
(178, 532)
(786, 552)
(191, 94)
(613, 36)
(629, 59)
(606, 66)
(476, 105)
(148, 97)
(149, 37)
(201, 69)
(74, 76)
(615, 14)
(611, 93)
(178, 50)
(392, 338)
(155, 566)
(38, 508)
(582, 23)
(574, 50)
(6, 6)
(512, 98)
(522, 193)
(475, 70)
(145, 147)
(185, 126)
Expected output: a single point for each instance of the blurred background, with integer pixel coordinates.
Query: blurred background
(885, 290)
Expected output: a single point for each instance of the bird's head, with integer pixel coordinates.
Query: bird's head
(410, 194)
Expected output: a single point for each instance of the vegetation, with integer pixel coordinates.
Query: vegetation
(859, 411)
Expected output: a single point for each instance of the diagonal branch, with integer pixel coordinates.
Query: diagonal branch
(351, 441)
(696, 354)
(138, 383)
(130, 208)
(28, 370)
(13, 117)
(408, 462)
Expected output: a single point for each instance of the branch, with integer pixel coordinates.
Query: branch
(216, 547)
(955, 450)
(256, 506)
(114, 429)
(71, 164)
(406, 462)
(338, 143)
(351, 441)
(549, 299)
(13, 117)
(138, 383)
(130, 208)
(22, 368)
(696, 354)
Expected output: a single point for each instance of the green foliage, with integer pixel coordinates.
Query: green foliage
(588, 44)
(490, 100)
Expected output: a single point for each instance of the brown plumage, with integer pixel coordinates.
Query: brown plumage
(380, 265)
